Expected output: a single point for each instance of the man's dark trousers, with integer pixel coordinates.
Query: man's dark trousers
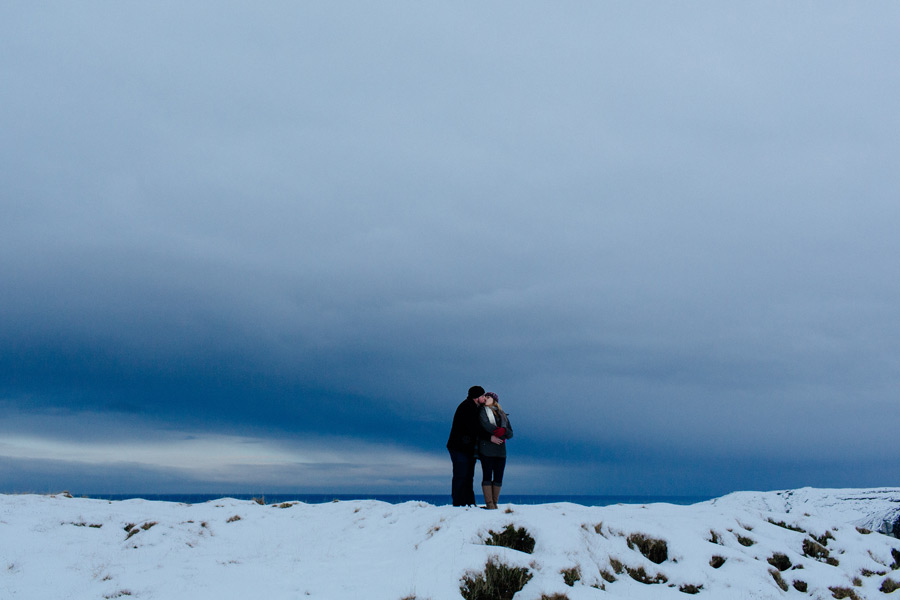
(462, 488)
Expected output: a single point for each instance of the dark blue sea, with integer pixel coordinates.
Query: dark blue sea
(435, 499)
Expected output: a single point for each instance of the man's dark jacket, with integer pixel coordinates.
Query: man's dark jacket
(465, 431)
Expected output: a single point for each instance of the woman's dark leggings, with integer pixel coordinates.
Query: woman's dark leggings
(492, 470)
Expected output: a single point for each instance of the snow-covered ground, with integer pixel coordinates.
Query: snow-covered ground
(55, 547)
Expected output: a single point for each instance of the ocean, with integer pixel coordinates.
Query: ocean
(435, 499)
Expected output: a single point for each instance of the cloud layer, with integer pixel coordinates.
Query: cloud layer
(664, 235)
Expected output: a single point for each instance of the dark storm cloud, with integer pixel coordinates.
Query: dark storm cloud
(655, 231)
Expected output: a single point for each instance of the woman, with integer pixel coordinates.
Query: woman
(493, 452)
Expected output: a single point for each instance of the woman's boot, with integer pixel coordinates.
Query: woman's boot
(495, 495)
(488, 491)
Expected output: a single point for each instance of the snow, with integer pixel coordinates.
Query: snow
(57, 547)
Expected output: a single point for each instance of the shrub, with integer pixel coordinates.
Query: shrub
(716, 561)
(554, 597)
(713, 537)
(656, 551)
(863, 530)
(690, 588)
(497, 582)
(517, 539)
(823, 539)
(889, 585)
(895, 554)
(607, 576)
(814, 550)
(617, 566)
(639, 574)
(571, 575)
(784, 525)
(744, 541)
(233, 519)
(843, 592)
(776, 575)
(261, 500)
(819, 552)
(780, 561)
(800, 586)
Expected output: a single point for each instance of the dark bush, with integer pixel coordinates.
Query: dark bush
(843, 592)
(617, 566)
(823, 539)
(690, 588)
(784, 525)
(517, 539)
(800, 586)
(889, 585)
(780, 561)
(656, 551)
(497, 582)
(641, 575)
(716, 561)
(814, 549)
(571, 575)
(744, 541)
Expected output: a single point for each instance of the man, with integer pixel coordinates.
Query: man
(464, 434)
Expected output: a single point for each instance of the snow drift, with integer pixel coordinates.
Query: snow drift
(800, 543)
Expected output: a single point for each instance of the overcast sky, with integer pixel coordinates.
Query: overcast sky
(268, 247)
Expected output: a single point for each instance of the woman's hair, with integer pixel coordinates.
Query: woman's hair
(496, 405)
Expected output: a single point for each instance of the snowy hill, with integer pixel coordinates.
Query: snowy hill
(801, 543)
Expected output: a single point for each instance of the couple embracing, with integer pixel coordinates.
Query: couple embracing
(480, 430)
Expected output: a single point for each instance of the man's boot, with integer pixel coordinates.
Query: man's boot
(495, 495)
(488, 491)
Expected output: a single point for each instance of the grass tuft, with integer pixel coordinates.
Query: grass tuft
(617, 566)
(233, 519)
(780, 561)
(784, 525)
(516, 539)
(639, 574)
(571, 575)
(744, 541)
(776, 575)
(823, 539)
(690, 588)
(889, 585)
(716, 561)
(843, 592)
(800, 586)
(817, 551)
(656, 551)
(554, 597)
(497, 582)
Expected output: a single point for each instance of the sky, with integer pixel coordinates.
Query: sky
(268, 248)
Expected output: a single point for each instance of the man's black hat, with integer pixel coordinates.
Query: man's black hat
(476, 391)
